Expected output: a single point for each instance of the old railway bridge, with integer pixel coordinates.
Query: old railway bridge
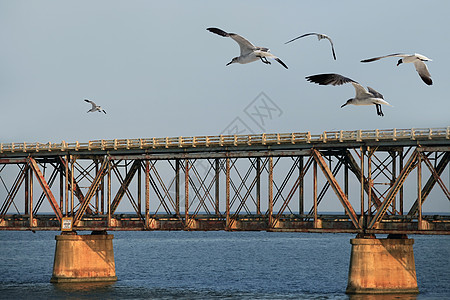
(380, 180)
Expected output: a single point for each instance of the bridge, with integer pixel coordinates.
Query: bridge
(276, 182)
(376, 181)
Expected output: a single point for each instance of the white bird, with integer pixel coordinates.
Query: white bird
(417, 59)
(249, 52)
(363, 97)
(95, 107)
(320, 36)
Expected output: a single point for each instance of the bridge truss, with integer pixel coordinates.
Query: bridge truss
(375, 181)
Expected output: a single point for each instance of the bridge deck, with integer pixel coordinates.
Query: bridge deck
(380, 137)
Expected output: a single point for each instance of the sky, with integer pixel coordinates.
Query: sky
(157, 71)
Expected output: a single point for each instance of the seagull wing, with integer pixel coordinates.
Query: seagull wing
(361, 92)
(384, 56)
(299, 37)
(245, 46)
(218, 31)
(91, 102)
(375, 93)
(422, 69)
(282, 63)
(320, 36)
(264, 52)
(327, 79)
(331, 43)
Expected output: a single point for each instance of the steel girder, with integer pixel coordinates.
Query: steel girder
(258, 190)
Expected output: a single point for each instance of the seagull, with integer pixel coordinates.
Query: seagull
(95, 107)
(417, 59)
(363, 97)
(249, 52)
(320, 36)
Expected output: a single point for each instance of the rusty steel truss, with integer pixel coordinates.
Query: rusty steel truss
(366, 182)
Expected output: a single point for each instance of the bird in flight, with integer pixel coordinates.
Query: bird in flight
(363, 96)
(320, 36)
(417, 59)
(95, 107)
(249, 52)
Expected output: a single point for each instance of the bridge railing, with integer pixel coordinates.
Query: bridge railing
(234, 140)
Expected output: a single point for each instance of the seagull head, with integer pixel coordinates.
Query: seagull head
(349, 101)
(400, 61)
(234, 60)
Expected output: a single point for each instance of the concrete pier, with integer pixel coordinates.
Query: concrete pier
(382, 266)
(84, 258)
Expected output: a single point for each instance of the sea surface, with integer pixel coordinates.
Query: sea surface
(213, 265)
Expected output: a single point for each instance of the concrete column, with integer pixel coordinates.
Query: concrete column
(382, 266)
(84, 258)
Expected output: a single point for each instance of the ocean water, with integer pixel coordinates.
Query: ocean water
(213, 265)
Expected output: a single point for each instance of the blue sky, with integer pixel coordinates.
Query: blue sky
(157, 72)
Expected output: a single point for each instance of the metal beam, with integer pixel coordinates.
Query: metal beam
(91, 192)
(435, 176)
(76, 188)
(270, 191)
(33, 164)
(227, 197)
(357, 171)
(186, 193)
(394, 189)
(124, 186)
(221, 154)
(12, 193)
(337, 189)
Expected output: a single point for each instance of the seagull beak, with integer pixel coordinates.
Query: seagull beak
(229, 63)
(343, 105)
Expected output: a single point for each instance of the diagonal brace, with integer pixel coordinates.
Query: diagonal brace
(76, 188)
(394, 189)
(124, 186)
(337, 189)
(93, 188)
(435, 177)
(354, 167)
(45, 187)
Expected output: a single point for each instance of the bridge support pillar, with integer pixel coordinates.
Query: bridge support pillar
(382, 266)
(84, 258)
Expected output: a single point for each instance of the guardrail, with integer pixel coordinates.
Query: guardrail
(234, 140)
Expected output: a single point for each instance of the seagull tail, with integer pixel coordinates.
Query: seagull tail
(385, 103)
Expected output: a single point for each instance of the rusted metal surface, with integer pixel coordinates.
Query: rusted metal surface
(91, 192)
(124, 185)
(46, 188)
(394, 189)
(262, 174)
(334, 184)
(435, 177)
(329, 223)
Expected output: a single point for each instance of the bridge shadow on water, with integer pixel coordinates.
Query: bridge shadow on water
(80, 287)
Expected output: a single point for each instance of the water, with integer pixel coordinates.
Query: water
(212, 265)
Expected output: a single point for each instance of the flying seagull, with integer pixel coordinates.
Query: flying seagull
(95, 107)
(249, 52)
(363, 97)
(416, 58)
(320, 36)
